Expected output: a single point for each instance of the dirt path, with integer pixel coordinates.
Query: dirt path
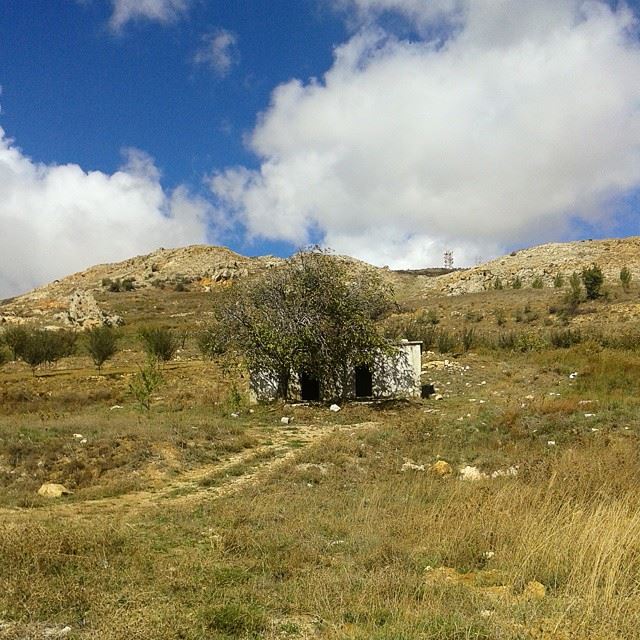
(243, 469)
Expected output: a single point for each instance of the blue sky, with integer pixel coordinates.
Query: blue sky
(386, 129)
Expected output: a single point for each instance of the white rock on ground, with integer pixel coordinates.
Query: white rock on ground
(335, 408)
(52, 490)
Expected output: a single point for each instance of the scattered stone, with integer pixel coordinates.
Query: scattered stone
(551, 443)
(472, 474)
(52, 490)
(438, 397)
(441, 468)
(487, 555)
(235, 415)
(335, 408)
(573, 376)
(505, 473)
(409, 465)
(116, 406)
(52, 632)
(78, 436)
(286, 420)
(589, 415)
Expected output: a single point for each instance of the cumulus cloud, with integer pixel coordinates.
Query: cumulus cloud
(517, 119)
(165, 11)
(219, 51)
(58, 219)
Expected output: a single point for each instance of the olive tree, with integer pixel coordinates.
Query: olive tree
(314, 314)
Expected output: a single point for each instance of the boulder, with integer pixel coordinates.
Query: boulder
(52, 490)
(441, 468)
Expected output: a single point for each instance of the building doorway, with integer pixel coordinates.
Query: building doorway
(309, 388)
(364, 381)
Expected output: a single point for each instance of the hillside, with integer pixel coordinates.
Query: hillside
(544, 262)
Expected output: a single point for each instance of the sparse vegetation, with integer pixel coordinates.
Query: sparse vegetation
(213, 519)
(537, 283)
(517, 283)
(558, 281)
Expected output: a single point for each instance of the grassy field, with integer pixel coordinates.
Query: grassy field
(190, 523)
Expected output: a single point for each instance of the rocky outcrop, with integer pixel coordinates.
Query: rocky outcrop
(83, 313)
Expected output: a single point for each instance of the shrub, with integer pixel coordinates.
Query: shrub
(537, 283)
(565, 338)
(144, 384)
(473, 316)
(4, 356)
(517, 283)
(468, 338)
(529, 342)
(445, 341)
(500, 316)
(159, 343)
(506, 341)
(625, 278)
(497, 284)
(102, 344)
(592, 279)
(558, 281)
(574, 295)
(212, 342)
(15, 338)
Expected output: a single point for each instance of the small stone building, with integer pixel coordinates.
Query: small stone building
(388, 377)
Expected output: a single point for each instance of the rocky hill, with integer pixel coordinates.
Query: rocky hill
(71, 301)
(543, 262)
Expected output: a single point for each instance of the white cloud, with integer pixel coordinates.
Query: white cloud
(525, 116)
(57, 219)
(156, 10)
(219, 51)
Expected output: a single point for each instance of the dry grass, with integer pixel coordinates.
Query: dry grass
(336, 542)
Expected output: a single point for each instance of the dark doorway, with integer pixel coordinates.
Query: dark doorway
(309, 388)
(364, 382)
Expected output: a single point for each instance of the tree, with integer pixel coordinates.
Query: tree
(625, 278)
(314, 315)
(592, 278)
(15, 338)
(159, 343)
(102, 344)
(46, 347)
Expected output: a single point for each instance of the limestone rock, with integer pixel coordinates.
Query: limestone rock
(52, 490)
(83, 312)
(441, 468)
(472, 474)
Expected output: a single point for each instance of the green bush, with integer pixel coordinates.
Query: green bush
(558, 281)
(159, 343)
(593, 279)
(15, 338)
(500, 316)
(102, 344)
(497, 284)
(144, 384)
(4, 356)
(625, 278)
(517, 283)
